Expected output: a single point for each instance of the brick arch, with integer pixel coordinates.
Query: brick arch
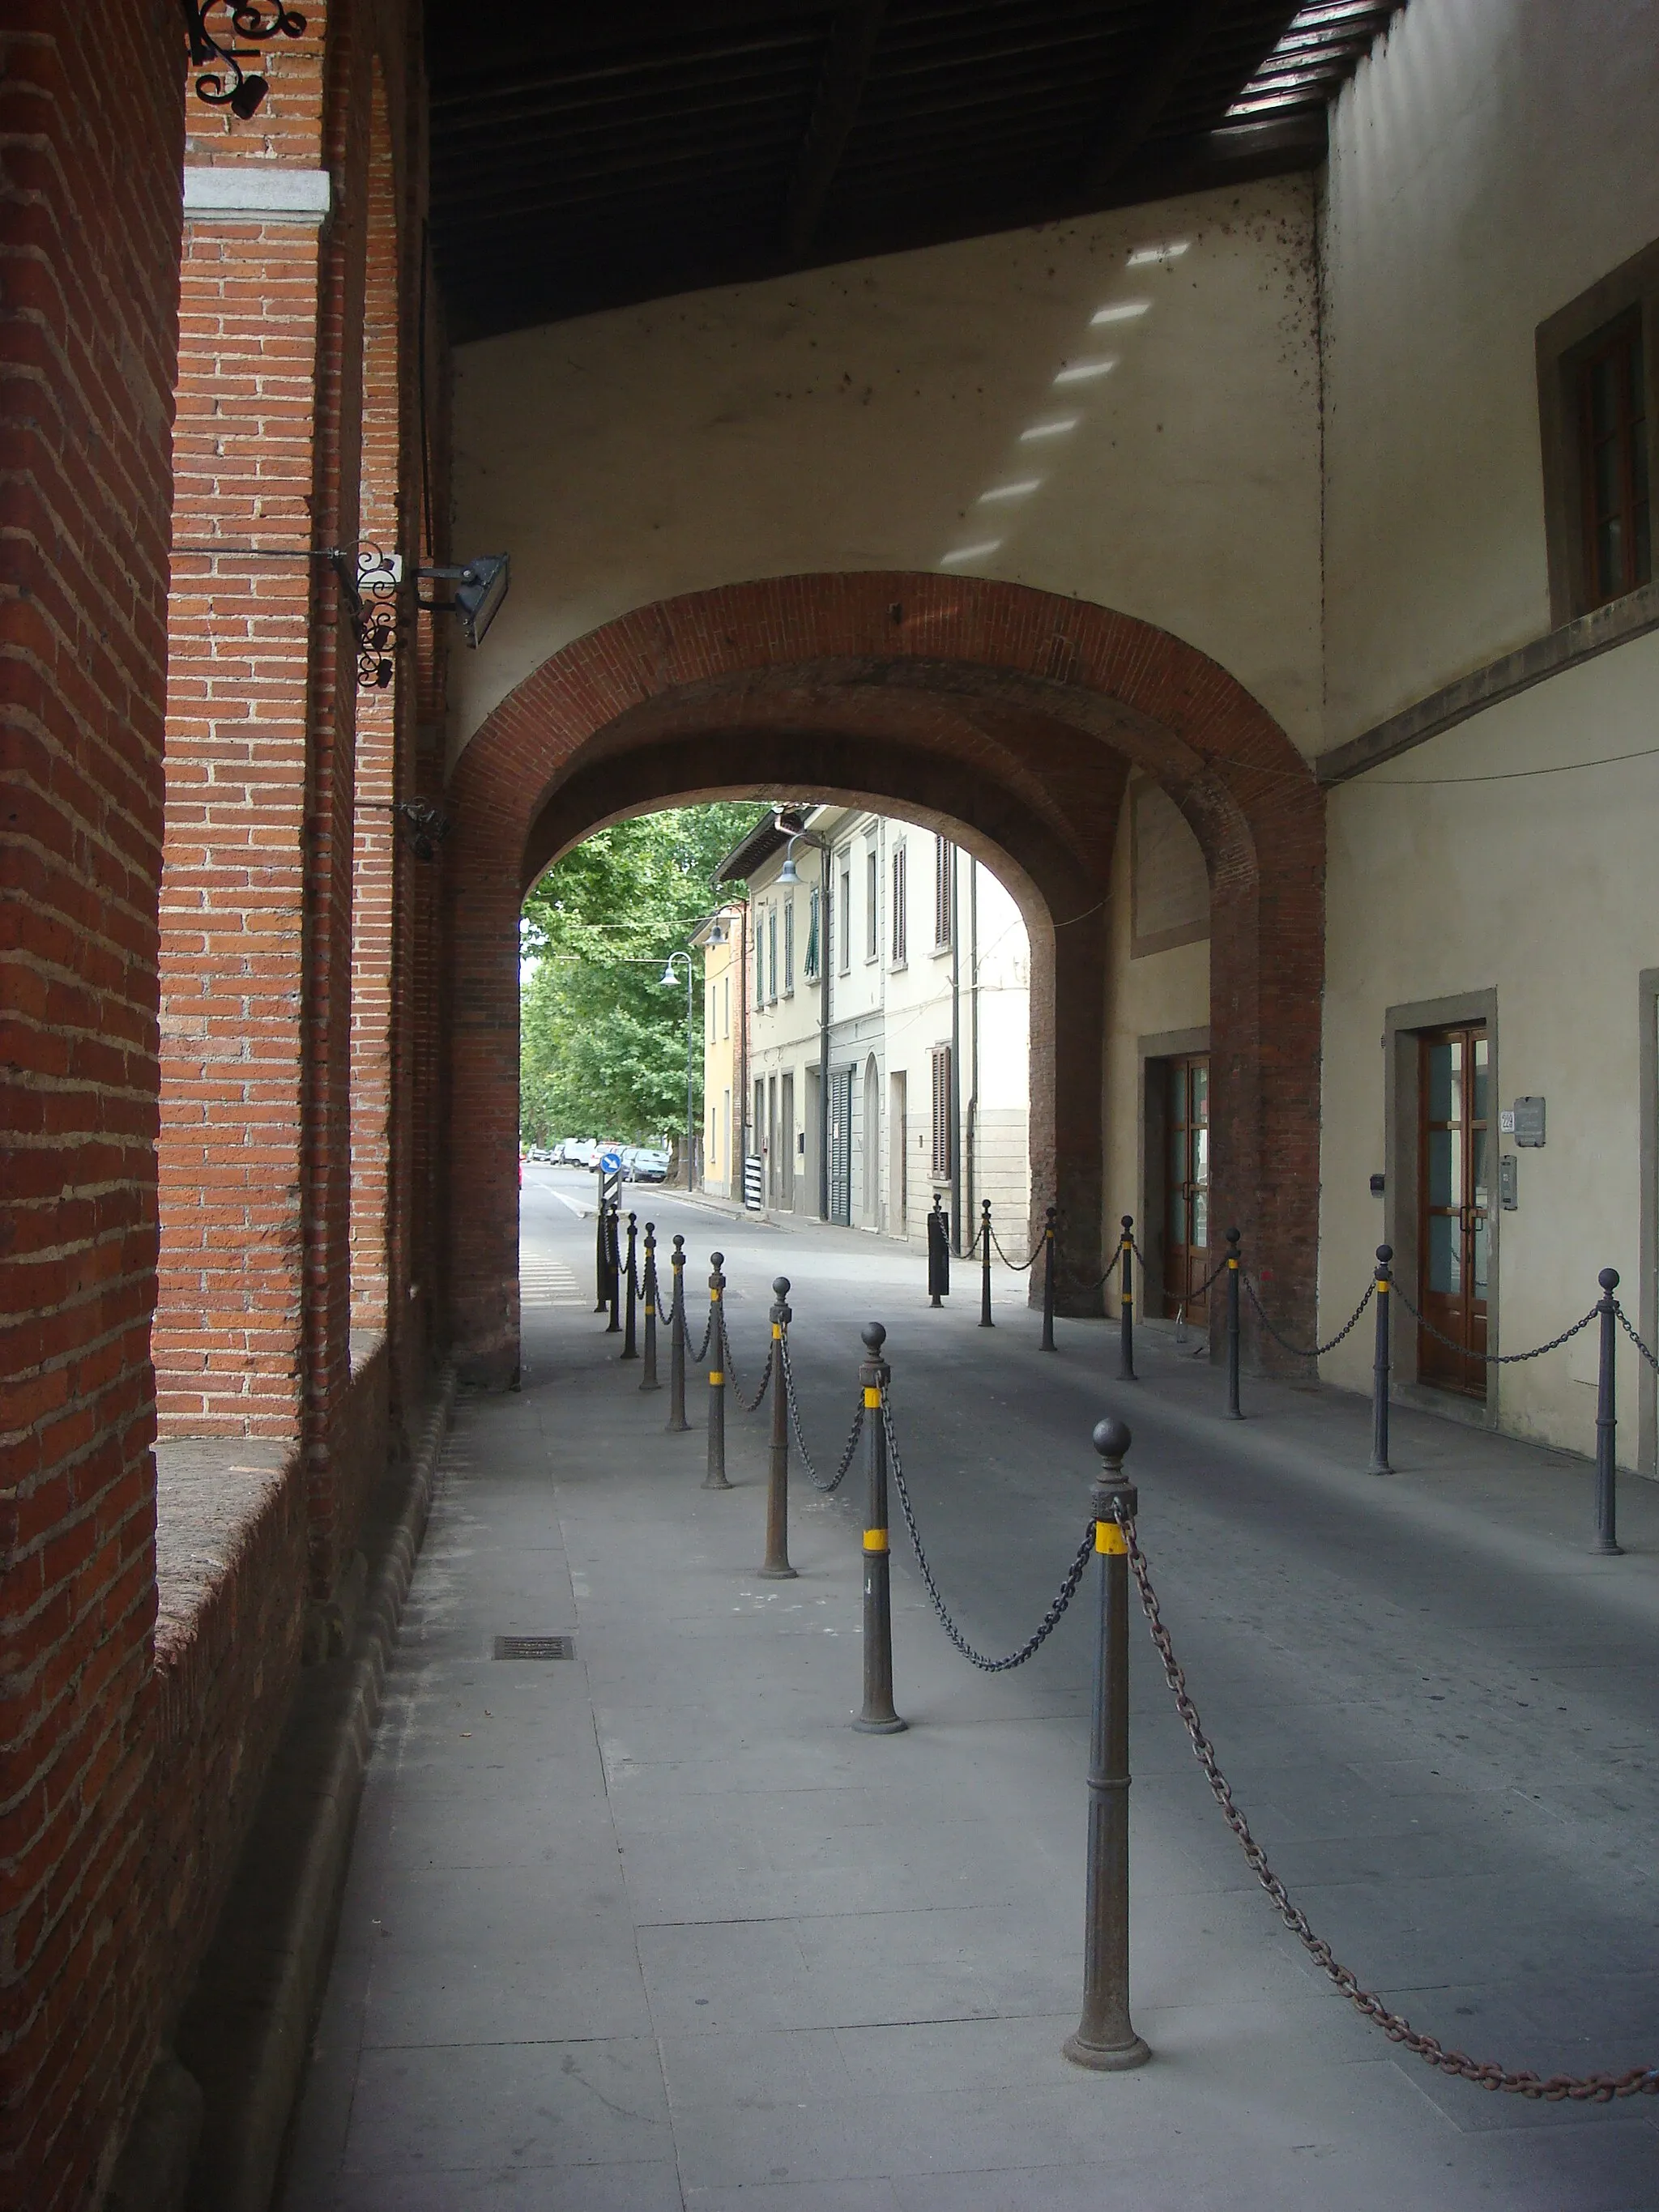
(1014, 712)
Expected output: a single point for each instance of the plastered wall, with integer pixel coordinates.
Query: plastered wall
(1490, 161)
(856, 418)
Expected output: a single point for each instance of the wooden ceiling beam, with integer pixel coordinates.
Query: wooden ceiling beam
(853, 39)
(1132, 116)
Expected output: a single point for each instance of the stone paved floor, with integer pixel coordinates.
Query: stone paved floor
(655, 1928)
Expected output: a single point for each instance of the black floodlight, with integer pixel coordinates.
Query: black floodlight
(480, 587)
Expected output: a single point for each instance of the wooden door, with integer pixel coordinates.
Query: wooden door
(1455, 1156)
(1186, 1180)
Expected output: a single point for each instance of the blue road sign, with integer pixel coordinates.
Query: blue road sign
(610, 1162)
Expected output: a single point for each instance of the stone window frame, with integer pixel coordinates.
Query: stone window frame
(1563, 342)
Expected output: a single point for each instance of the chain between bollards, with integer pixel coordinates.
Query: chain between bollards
(1233, 1411)
(777, 1568)
(877, 1716)
(1125, 1341)
(1105, 2039)
(677, 1420)
(1048, 1279)
(985, 1319)
(630, 1338)
(714, 1345)
(1380, 1364)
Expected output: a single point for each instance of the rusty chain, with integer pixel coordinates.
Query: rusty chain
(812, 1474)
(1063, 1596)
(1297, 1351)
(748, 1405)
(1495, 1358)
(1625, 1323)
(1591, 2088)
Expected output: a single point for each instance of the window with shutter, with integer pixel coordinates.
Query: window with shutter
(943, 916)
(899, 934)
(941, 1063)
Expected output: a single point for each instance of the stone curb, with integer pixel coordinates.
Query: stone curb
(246, 2028)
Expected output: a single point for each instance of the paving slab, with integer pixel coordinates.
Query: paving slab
(652, 1927)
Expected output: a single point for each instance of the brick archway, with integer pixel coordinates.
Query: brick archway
(1011, 713)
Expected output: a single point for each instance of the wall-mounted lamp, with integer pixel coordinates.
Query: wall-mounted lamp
(480, 587)
(224, 81)
(424, 826)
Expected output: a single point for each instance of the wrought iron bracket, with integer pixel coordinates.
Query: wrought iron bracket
(223, 81)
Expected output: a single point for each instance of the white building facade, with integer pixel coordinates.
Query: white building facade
(880, 949)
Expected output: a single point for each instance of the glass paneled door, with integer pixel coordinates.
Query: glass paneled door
(1187, 1180)
(1455, 1154)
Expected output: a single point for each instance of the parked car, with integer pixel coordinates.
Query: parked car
(581, 1151)
(645, 1163)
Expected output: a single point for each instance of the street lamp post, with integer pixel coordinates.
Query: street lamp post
(668, 978)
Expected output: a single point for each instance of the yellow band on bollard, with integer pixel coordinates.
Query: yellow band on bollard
(1384, 1286)
(1129, 1298)
(1109, 1537)
(714, 1297)
(777, 1328)
(650, 1310)
(1232, 1263)
(875, 1540)
(872, 1396)
(715, 1375)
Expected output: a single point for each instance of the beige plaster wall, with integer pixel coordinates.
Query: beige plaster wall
(856, 417)
(1541, 888)
(1149, 997)
(1489, 162)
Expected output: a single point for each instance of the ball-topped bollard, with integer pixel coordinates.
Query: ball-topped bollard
(1105, 2040)
(777, 1568)
(1125, 1311)
(985, 1319)
(651, 1293)
(1606, 1545)
(877, 1717)
(676, 1421)
(715, 1477)
(1380, 1361)
(1048, 1216)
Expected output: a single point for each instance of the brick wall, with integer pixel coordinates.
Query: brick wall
(1013, 713)
(89, 221)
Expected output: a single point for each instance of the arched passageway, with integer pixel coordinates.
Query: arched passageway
(1011, 716)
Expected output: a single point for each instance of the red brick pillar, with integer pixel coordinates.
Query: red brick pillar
(251, 1332)
(90, 143)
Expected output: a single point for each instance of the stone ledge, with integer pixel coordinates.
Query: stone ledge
(246, 2028)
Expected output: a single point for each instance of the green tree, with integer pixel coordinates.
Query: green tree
(601, 1037)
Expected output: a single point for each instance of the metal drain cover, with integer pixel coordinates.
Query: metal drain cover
(535, 1647)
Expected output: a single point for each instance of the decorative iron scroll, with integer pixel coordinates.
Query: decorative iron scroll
(223, 82)
(379, 579)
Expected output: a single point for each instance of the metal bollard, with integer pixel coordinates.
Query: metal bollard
(1380, 1366)
(613, 1261)
(630, 1338)
(649, 1377)
(985, 1319)
(1048, 1280)
(777, 1568)
(677, 1420)
(1607, 1543)
(1233, 1412)
(715, 1477)
(602, 1252)
(1105, 2038)
(1126, 1342)
(939, 1254)
(877, 1717)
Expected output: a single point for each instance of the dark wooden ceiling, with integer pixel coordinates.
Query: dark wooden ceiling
(587, 157)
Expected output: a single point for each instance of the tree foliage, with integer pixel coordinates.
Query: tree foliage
(603, 1038)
